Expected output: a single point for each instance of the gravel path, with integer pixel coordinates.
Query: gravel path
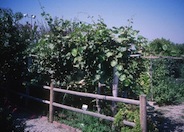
(169, 118)
(33, 123)
(41, 124)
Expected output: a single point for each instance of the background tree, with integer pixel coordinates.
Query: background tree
(15, 41)
(165, 72)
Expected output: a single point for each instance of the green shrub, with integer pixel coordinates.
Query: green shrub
(85, 123)
(131, 113)
(7, 121)
(169, 91)
(14, 41)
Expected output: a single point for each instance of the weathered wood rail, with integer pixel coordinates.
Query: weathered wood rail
(141, 103)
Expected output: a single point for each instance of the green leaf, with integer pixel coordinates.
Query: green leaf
(135, 32)
(123, 49)
(140, 37)
(130, 76)
(117, 73)
(99, 66)
(97, 77)
(108, 54)
(164, 47)
(59, 41)
(127, 82)
(119, 67)
(114, 63)
(119, 40)
(74, 52)
(115, 30)
(119, 55)
(47, 36)
(51, 46)
(77, 65)
(66, 37)
(122, 77)
(75, 60)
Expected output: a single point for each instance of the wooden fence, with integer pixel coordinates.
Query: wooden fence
(141, 103)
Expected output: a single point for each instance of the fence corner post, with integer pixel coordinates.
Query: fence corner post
(51, 111)
(143, 113)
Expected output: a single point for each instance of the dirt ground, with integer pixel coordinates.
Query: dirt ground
(34, 123)
(168, 118)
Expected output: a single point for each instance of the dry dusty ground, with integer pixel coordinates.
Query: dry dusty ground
(168, 118)
(34, 123)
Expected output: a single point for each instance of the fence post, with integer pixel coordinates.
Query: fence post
(51, 111)
(97, 100)
(114, 91)
(143, 113)
(27, 93)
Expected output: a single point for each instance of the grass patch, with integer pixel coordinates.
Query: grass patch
(83, 122)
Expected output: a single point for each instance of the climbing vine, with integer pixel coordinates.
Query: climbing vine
(73, 51)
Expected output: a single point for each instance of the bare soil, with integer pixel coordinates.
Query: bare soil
(168, 118)
(35, 123)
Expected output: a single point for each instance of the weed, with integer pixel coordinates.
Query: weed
(84, 122)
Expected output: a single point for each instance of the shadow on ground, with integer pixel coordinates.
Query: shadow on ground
(164, 124)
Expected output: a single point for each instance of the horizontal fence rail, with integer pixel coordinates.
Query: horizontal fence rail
(128, 123)
(97, 96)
(30, 97)
(163, 57)
(141, 103)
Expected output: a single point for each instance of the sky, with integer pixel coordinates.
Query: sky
(153, 18)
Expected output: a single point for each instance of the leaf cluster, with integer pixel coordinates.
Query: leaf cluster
(73, 51)
(14, 40)
(163, 69)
